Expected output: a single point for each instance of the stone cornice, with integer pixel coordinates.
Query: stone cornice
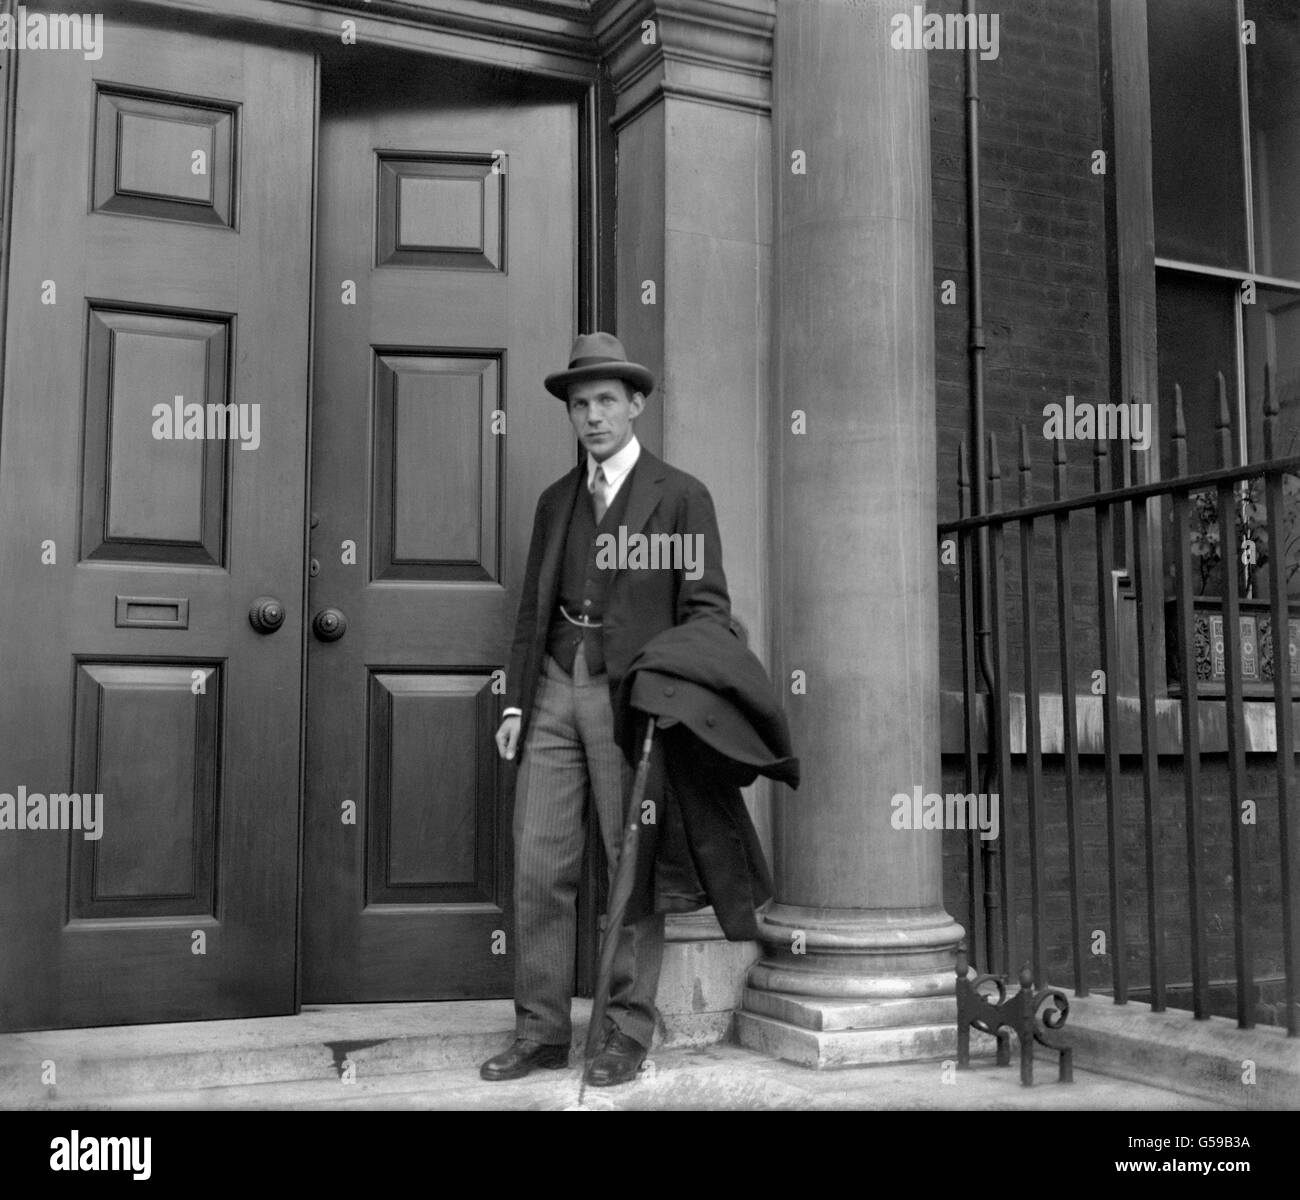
(560, 24)
(550, 36)
(713, 51)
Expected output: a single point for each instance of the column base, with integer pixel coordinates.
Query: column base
(842, 988)
(828, 1049)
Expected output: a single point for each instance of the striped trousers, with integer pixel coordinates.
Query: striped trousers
(570, 753)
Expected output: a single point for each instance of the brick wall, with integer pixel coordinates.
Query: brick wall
(1046, 292)
(1044, 279)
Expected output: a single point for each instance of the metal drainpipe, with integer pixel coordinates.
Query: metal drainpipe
(993, 941)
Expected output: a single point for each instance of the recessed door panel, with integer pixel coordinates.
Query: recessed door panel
(143, 737)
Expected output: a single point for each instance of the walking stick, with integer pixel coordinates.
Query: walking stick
(620, 893)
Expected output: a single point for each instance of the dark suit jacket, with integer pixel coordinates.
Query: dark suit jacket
(639, 603)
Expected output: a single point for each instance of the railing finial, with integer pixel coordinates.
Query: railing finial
(1140, 456)
(1270, 414)
(1058, 469)
(1101, 465)
(1223, 423)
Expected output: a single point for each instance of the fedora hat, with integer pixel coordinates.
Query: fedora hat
(599, 356)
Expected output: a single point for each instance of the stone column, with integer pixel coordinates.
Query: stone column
(858, 950)
(692, 118)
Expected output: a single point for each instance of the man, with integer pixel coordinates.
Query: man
(582, 619)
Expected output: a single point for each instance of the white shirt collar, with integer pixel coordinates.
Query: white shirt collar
(616, 465)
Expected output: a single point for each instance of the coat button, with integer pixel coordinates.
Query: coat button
(670, 691)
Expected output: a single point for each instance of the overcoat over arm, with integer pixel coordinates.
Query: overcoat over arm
(720, 727)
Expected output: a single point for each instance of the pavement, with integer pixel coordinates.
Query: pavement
(704, 1078)
(426, 1056)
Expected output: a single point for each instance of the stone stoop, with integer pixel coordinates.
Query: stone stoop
(126, 1061)
(698, 990)
(144, 1063)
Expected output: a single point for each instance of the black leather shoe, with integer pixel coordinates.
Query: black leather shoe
(618, 1062)
(525, 1056)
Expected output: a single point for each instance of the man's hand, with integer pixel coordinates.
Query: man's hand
(508, 736)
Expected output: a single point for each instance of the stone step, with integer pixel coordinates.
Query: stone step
(150, 1060)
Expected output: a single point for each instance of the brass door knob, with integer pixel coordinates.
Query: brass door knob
(330, 625)
(266, 614)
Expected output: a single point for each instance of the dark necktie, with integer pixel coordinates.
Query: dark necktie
(600, 494)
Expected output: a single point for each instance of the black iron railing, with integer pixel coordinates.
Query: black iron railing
(996, 899)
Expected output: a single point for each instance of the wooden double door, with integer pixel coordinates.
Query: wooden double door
(272, 433)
